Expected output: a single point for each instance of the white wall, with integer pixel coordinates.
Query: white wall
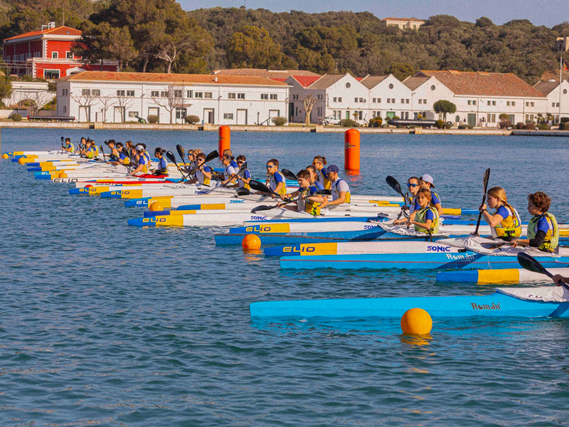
(553, 100)
(391, 98)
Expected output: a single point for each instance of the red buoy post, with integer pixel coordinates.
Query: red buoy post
(224, 139)
(352, 150)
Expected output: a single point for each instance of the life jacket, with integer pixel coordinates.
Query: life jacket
(162, 166)
(336, 192)
(509, 227)
(273, 183)
(124, 159)
(323, 179)
(91, 153)
(145, 164)
(312, 208)
(438, 197)
(243, 183)
(551, 238)
(421, 216)
(69, 145)
(96, 150)
(202, 179)
(227, 175)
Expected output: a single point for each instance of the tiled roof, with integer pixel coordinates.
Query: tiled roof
(483, 83)
(546, 87)
(271, 74)
(414, 82)
(306, 81)
(372, 81)
(111, 76)
(58, 31)
(326, 81)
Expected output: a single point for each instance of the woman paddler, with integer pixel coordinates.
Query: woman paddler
(277, 181)
(543, 231)
(162, 168)
(230, 172)
(307, 201)
(123, 158)
(340, 188)
(143, 161)
(203, 171)
(505, 223)
(319, 164)
(114, 156)
(413, 184)
(426, 219)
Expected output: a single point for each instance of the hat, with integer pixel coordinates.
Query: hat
(332, 168)
(141, 148)
(428, 178)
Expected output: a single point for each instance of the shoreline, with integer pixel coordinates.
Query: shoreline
(277, 129)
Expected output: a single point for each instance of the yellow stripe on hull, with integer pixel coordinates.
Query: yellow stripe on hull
(269, 228)
(170, 221)
(492, 277)
(131, 194)
(312, 249)
(165, 201)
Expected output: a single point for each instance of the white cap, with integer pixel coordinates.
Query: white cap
(428, 178)
(139, 148)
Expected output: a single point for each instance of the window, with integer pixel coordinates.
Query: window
(391, 86)
(50, 74)
(433, 87)
(54, 55)
(402, 101)
(508, 103)
(356, 99)
(491, 118)
(231, 96)
(96, 92)
(265, 96)
(181, 113)
(86, 92)
(199, 94)
(494, 103)
(513, 103)
(553, 104)
(132, 114)
(339, 99)
(130, 93)
(373, 100)
(207, 95)
(362, 100)
(69, 55)
(240, 96)
(120, 92)
(424, 102)
(393, 100)
(64, 109)
(469, 102)
(228, 116)
(420, 101)
(154, 93)
(348, 85)
(177, 93)
(189, 94)
(379, 100)
(473, 102)
(389, 100)
(532, 104)
(274, 96)
(320, 97)
(335, 99)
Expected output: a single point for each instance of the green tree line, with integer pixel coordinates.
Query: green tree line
(158, 36)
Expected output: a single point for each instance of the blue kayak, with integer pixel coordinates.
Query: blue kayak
(495, 305)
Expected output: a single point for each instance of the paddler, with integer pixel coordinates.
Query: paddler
(277, 181)
(307, 201)
(230, 171)
(314, 178)
(426, 219)
(227, 152)
(143, 162)
(319, 162)
(414, 185)
(203, 172)
(114, 156)
(505, 223)
(245, 175)
(123, 158)
(68, 146)
(543, 231)
(427, 182)
(340, 188)
(162, 168)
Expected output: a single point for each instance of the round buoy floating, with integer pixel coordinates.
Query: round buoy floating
(156, 207)
(416, 321)
(62, 175)
(5, 156)
(22, 160)
(251, 242)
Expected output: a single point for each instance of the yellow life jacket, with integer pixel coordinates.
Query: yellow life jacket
(421, 216)
(273, 183)
(243, 183)
(96, 150)
(510, 226)
(91, 153)
(323, 180)
(551, 238)
(313, 208)
(336, 192)
(202, 178)
(69, 145)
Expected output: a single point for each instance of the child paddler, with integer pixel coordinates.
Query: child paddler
(230, 172)
(427, 182)
(319, 164)
(123, 158)
(426, 219)
(68, 146)
(277, 181)
(543, 231)
(143, 161)
(505, 223)
(162, 168)
(245, 175)
(307, 201)
(340, 188)
(203, 172)
(114, 155)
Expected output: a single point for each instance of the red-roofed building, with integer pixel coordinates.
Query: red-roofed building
(47, 54)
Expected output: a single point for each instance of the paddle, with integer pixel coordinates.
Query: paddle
(181, 153)
(172, 158)
(266, 207)
(213, 155)
(259, 186)
(486, 179)
(289, 175)
(242, 191)
(236, 174)
(103, 151)
(392, 182)
(530, 263)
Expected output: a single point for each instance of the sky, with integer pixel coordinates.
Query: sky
(548, 13)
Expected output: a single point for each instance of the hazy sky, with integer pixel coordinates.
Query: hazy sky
(547, 13)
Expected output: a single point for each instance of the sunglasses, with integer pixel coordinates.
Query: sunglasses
(412, 185)
(240, 162)
(270, 167)
(316, 163)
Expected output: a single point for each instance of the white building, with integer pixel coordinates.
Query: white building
(389, 97)
(557, 98)
(114, 97)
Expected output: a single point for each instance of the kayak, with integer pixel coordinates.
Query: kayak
(546, 301)
(494, 277)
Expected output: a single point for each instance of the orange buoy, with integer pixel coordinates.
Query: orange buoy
(5, 156)
(251, 242)
(416, 321)
(352, 150)
(22, 160)
(224, 139)
(156, 207)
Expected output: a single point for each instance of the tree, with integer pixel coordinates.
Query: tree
(401, 70)
(444, 107)
(308, 102)
(253, 47)
(173, 99)
(5, 87)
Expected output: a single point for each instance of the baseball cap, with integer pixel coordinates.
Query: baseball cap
(333, 168)
(428, 178)
(139, 148)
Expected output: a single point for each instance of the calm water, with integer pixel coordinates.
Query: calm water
(106, 324)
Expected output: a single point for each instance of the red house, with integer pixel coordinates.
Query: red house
(46, 54)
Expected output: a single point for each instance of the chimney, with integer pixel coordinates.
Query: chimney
(51, 25)
(215, 79)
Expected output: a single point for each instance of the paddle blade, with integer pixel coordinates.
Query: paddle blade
(259, 186)
(323, 193)
(392, 182)
(289, 175)
(213, 155)
(125, 152)
(262, 208)
(181, 151)
(486, 179)
(530, 263)
(242, 191)
(171, 157)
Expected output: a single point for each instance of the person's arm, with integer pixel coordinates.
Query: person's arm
(341, 199)
(439, 208)
(558, 278)
(426, 225)
(137, 170)
(492, 220)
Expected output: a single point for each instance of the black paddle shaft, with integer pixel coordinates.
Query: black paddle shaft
(486, 179)
(530, 263)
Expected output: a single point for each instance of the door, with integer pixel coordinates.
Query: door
(84, 113)
(241, 117)
(471, 119)
(209, 115)
(273, 113)
(290, 111)
(181, 115)
(153, 111)
(348, 115)
(119, 115)
(389, 115)
(512, 119)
